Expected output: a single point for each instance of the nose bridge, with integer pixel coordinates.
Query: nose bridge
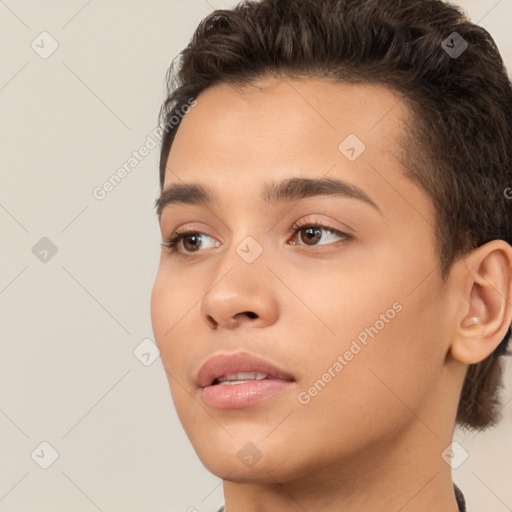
(245, 248)
(240, 289)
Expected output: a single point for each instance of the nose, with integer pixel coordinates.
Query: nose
(244, 295)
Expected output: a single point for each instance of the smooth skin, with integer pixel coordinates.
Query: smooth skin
(372, 438)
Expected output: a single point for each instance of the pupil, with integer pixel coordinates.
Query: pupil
(195, 244)
(313, 235)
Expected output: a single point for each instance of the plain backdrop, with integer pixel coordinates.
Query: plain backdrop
(81, 83)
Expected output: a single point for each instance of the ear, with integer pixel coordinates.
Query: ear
(485, 311)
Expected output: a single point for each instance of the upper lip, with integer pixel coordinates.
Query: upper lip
(220, 365)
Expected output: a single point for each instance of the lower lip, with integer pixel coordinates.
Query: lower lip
(236, 396)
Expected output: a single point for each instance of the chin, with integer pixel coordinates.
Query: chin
(242, 461)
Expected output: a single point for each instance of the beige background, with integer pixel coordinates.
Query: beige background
(70, 324)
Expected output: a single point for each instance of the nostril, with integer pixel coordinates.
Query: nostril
(211, 321)
(250, 314)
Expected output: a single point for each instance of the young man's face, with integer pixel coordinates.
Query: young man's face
(359, 320)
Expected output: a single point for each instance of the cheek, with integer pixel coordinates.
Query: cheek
(380, 385)
(374, 335)
(173, 297)
(166, 312)
(162, 306)
(170, 305)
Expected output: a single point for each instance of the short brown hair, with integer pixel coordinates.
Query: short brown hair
(459, 149)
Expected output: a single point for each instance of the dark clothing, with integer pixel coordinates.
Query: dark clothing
(458, 496)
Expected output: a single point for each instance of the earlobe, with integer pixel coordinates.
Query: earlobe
(488, 302)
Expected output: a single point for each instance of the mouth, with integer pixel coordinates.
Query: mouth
(238, 380)
(230, 369)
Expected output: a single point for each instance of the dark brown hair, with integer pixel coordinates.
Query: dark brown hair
(458, 147)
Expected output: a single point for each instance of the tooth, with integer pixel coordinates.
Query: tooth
(231, 382)
(242, 376)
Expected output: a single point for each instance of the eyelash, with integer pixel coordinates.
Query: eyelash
(173, 241)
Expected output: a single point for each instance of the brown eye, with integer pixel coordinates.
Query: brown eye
(192, 242)
(312, 235)
(189, 242)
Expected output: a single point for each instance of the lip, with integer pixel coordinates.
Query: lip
(237, 396)
(220, 365)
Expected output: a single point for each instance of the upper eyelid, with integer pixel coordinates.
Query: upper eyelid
(302, 221)
(307, 221)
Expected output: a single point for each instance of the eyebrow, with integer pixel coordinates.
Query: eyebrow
(287, 190)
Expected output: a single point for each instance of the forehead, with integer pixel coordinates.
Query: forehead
(271, 122)
(237, 139)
